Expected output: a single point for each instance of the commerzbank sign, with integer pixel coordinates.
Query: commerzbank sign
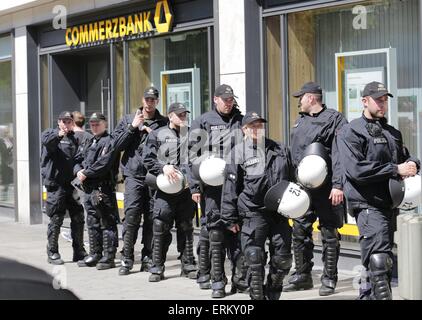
(137, 25)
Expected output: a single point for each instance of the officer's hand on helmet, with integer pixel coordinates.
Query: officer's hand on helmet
(170, 172)
(235, 228)
(336, 196)
(138, 119)
(196, 197)
(81, 175)
(407, 169)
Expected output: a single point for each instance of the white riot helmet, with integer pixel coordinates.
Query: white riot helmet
(210, 170)
(406, 194)
(164, 184)
(288, 199)
(312, 170)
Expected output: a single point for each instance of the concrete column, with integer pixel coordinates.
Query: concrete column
(21, 126)
(238, 43)
(27, 135)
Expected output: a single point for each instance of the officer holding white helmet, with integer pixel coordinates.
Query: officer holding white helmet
(258, 164)
(372, 154)
(315, 156)
(166, 155)
(214, 132)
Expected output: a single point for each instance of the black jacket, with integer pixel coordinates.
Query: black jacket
(250, 174)
(57, 158)
(166, 146)
(370, 151)
(222, 134)
(98, 160)
(321, 127)
(131, 141)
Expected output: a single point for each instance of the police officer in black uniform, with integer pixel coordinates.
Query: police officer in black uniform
(130, 136)
(59, 148)
(317, 123)
(215, 131)
(166, 152)
(373, 153)
(257, 164)
(97, 168)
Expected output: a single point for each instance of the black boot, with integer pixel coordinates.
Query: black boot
(330, 255)
(188, 259)
(77, 232)
(380, 270)
(239, 275)
(53, 232)
(95, 244)
(301, 279)
(146, 264)
(158, 251)
(203, 275)
(218, 277)
(130, 234)
(279, 268)
(109, 249)
(255, 261)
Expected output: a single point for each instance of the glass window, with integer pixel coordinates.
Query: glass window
(6, 134)
(274, 87)
(5, 46)
(389, 29)
(176, 64)
(45, 106)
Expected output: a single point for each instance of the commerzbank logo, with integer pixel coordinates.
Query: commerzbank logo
(138, 25)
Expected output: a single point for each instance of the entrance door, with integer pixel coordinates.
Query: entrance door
(81, 82)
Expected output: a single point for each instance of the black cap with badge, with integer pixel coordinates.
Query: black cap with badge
(66, 115)
(375, 90)
(97, 116)
(177, 108)
(250, 117)
(151, 92)
(224, 91)
(308, 87)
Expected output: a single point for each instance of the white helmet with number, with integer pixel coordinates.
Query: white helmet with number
(164, 184)
(406, 194)
(288, 199)
(210, 170)
(312, 170)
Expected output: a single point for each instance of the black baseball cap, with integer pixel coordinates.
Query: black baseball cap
(177, 108)
(308, 87)
(96, 116)
(375, 90)
(251, 117)
(224, 91)
(151, 92)
(66, 115)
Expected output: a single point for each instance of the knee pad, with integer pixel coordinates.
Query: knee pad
(216, 236)
(159, 226)
(254, 255)
(380, 263)
(204, 235)
(281, 262)
(330, 234)
(299, 232)
(133, 217)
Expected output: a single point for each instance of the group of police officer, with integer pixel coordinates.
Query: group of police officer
(248, 186)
